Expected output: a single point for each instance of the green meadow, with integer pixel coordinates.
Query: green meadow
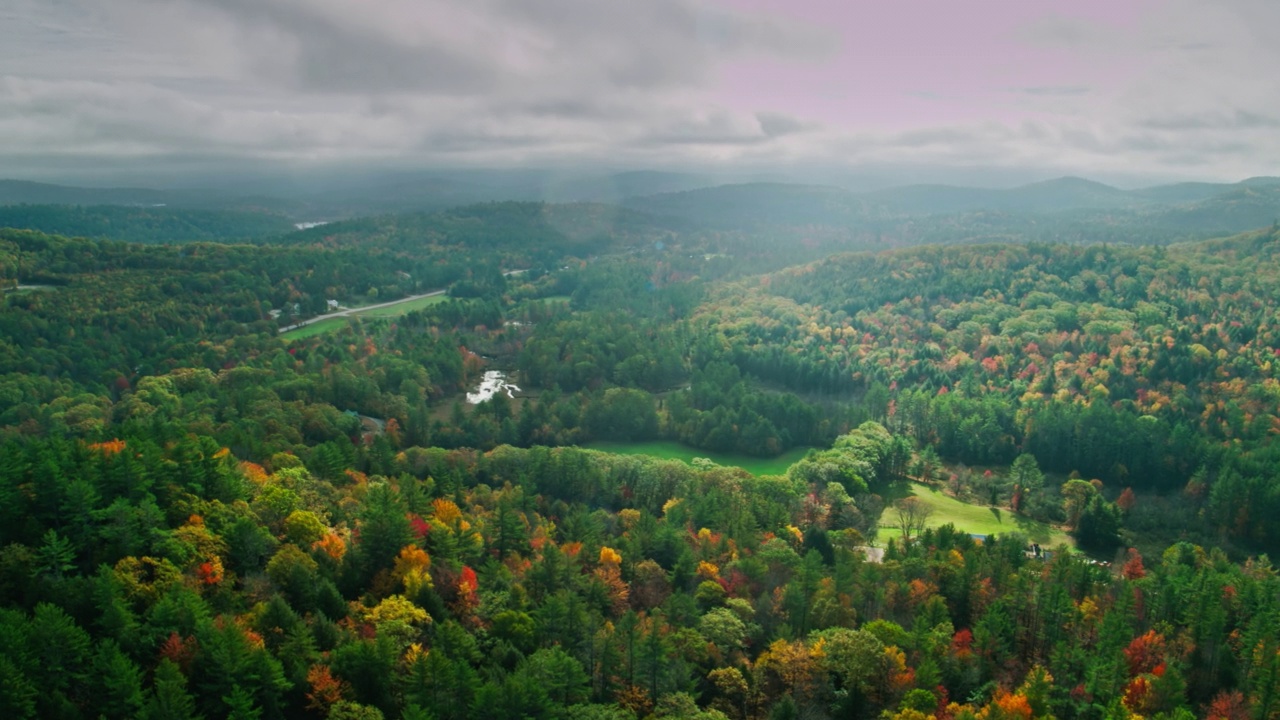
(976, 519)
(970, 518)
(318, 328)
(672, 450)
(389, 311)
(405, 307)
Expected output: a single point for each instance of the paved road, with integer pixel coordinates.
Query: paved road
(367, 308)
(357, 311)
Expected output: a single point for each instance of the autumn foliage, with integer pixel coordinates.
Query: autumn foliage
(326, 690)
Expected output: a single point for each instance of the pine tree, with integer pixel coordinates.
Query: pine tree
(240, 705)
(1099, 526)
(170, 699)
(17, 693)
(120, 681)
(62, 650)
(384, 529)
(510, 529)
(56, 555)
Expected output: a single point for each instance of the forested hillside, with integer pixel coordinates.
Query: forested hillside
(1144, 367)
(1067, 210)
(19, 192)
(200, 518)
(144, 224)
(548, 231)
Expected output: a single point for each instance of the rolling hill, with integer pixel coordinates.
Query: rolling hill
(21, 192)
(1066, 209)
(144, 224)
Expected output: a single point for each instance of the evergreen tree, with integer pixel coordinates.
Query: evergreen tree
(170, 699)
(384, 529)
(240, 705)
(1099, 526)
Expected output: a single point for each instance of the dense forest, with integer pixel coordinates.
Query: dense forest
(201, 516)
(144, 224)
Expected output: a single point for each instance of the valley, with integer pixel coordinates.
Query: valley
(608, 360)
(669, 434)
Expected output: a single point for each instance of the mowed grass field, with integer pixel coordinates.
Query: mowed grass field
(314, 329)
(405, 307)
(977, 519)
(675, 451)
(396, 310)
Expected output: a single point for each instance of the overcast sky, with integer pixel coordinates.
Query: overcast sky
(1101, 88)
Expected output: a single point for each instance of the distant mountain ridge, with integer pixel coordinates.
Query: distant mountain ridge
(22, 192)
(1069, 209)
(427, 191)
(1197, 208)
(1064, 193)
(416, 192)
(758, 204)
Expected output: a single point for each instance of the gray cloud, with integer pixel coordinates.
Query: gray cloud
(718, 127)
(178, 83)
(380, 80)
(1221, 120)
(479, 47)
(1181, 88)
(778, 124)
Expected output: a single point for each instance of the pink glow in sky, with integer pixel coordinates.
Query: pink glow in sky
(920, 62)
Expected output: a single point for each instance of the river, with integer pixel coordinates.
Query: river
(493, 382)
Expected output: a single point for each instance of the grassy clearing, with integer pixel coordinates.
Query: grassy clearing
(977, 519)
(314, 329)
(405, 307)
(389, 311)
(548, 301)
(672, 450)
(28, 289)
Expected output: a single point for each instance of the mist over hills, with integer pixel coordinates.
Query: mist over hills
(1065, 209)
(23, 192)
(1067, 193)
(349, 195)
(1068, 209)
